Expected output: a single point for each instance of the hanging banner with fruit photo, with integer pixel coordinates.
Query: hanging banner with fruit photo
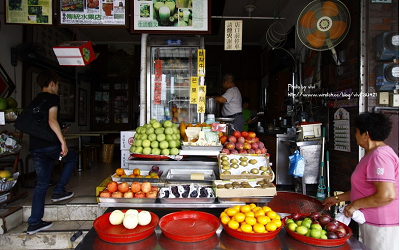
(194, 83)
(201, 99)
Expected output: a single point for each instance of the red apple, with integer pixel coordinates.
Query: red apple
(136, 171)
(254, 145)
(239, 145)
(151, 194)
(112, 186)
(140, 194)
(135, 186)
(315, 215)
(263, 150)
(241, 139)
(341, 228)
(128, 194)
(232, 139)
(258, 151)
(105, 193)
(251, 151)
(331, 227)
(230, 146)
(242, 151)
(146, 187)
(225, 151)
(250, 139)
(237, 134)
(123, 187)
(246, 145)
(295, 216)
(245, 133)
(252, 134)
(117, 194)
(223, 139)
(154, 189)
(340, 234)
(260, 144)
(234, 152)
(256, 139)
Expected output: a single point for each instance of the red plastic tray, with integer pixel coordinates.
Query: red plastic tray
(119, 234)
(168, 244)
(148, 243)
(318, 242)
(155, 157)
(189, 226)
(253, 237)
(231, 243)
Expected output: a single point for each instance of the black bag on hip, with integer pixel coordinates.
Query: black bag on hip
(35, 122)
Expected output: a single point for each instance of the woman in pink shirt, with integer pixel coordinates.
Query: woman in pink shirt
(374, 184)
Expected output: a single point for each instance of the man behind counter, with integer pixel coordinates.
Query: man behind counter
(232, 100)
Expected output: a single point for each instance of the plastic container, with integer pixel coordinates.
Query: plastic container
(210, 119)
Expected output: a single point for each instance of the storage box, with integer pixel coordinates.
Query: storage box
(307, 130)
(102, 186)
(125, 153)
(127, 138)
(74, 53)
(253, 161)
(268, 190)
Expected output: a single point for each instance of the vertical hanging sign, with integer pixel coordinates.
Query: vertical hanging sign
(157, 81)
(201, 62)
(201, 100)
(194, 83)
(233, 35)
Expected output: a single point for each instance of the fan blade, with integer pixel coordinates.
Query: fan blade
(308, 20)
(337, 29)
(330, 9)
(316, 39)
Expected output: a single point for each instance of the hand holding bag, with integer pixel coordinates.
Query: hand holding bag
(35, 122)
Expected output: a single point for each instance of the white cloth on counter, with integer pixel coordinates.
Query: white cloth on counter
(358, 216)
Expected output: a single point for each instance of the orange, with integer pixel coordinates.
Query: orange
(254, 209)
(223, 214)
(263, 220)
(277, 222)
(245, 208)
(271, 214)
(233, 224)
(271, 227)
(231, 211)
(259, 213)
(225, 219)
(250, 220)
(252, 205)
(237, 207)
(239, 217)
(258, 228)
(266, 209)
(246, 228)
(250, 213)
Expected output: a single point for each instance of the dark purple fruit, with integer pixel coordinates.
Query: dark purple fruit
(323, 220)
(331, 235)
(331, 227)
(155, 168)
(295, 216)
(315, 215)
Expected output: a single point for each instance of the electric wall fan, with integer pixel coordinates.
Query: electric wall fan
(323, 24)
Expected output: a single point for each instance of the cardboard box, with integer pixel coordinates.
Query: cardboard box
(75, 53)
(102, 186)
(259, 160)
(270, 190)
(125, 153)
(127, 138)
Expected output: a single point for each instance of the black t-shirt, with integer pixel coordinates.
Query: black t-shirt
(52, 101)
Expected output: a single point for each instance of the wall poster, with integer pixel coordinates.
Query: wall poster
(179, 16)
(29, 11)
(93, 12)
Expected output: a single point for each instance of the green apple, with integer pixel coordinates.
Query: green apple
(305, 223)
(324, 232)
(143, 137)
(132, 149)
(165, 151)
(174, 151)
(292, 226)
(172, 144)
(141, 130)
(160, 137)
(152, 120)
(308, 219)
(168, 131)
(154, 144)
(147, 125)
(316, 226)
(175, 130)
(308, 234)
(324, 237)
(167, 124)
(169, 137)
(146, 150)
(156, 124)
(137, 135)
(288, 220)
(299, 222)
(139, 149)
(155, 151)
(178, 143)
(302, 230)
(138, 142)
(150, 131)
(152, 137)
(315, 233)
(164, 144)
(146, 143)
(159, 131)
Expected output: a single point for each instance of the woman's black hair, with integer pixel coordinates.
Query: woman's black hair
(378, 125)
